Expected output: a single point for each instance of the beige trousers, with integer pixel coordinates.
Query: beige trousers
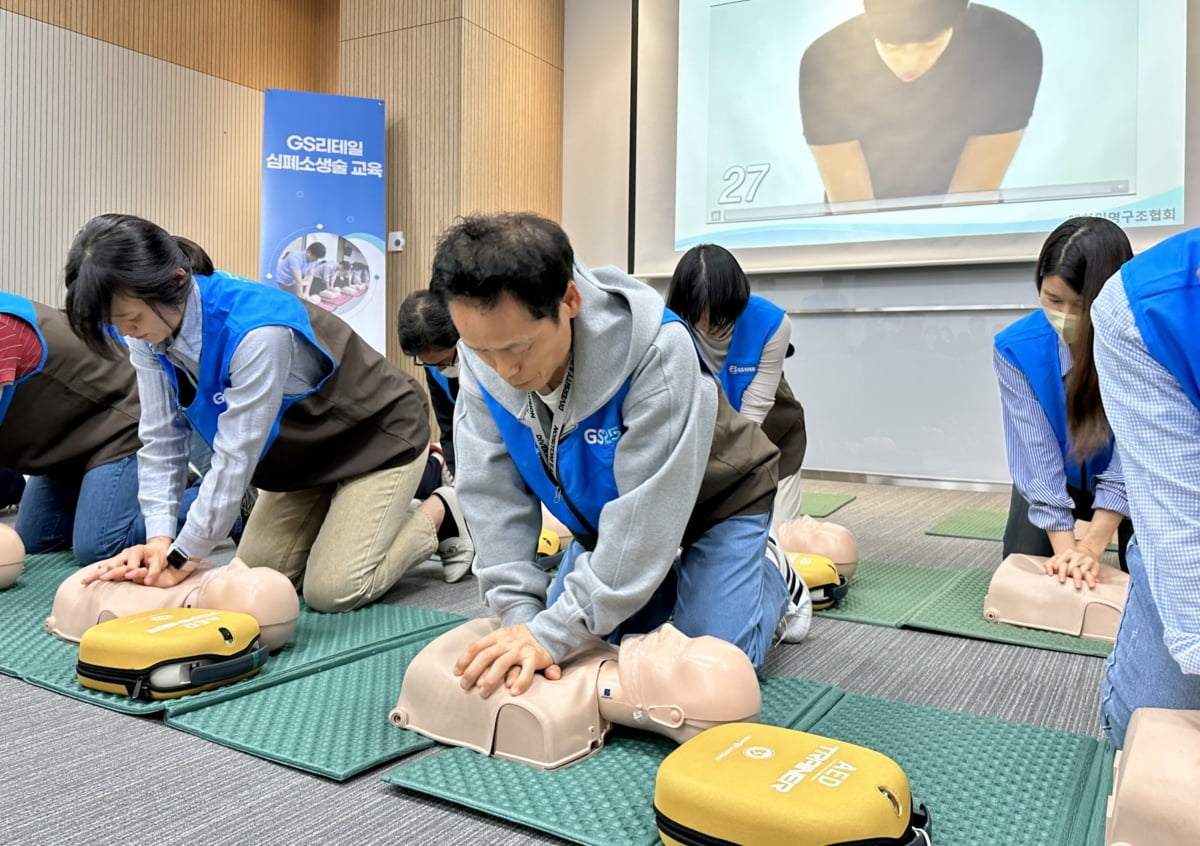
(343, 545)
(787, 502)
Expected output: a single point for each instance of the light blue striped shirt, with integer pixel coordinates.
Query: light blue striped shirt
(1158, 431)
(271, 362)
(1035, 460)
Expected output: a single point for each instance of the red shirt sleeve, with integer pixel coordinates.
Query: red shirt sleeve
(20, 349)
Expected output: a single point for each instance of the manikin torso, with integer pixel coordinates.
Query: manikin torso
(1020, 593)
(265, 594)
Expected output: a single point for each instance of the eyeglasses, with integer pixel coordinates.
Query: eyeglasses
(449, 361)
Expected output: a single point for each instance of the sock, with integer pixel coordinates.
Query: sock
(449, 528)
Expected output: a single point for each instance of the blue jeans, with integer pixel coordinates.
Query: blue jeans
(1140, 672)
(722, 585)
(97, 516)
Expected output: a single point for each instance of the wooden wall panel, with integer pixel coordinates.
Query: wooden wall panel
(512, 128)
(417, 71)
(474, 104)
(362, 18)
(91, 128)
(259, 44)
(532, 25)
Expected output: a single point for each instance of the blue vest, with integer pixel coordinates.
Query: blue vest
(233, 306)
(1031, 345)
(585, 459)
(441, 379)
(22, 308)
(1164, 296)
(756, 324)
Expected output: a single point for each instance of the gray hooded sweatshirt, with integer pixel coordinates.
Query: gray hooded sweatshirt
(685, 461)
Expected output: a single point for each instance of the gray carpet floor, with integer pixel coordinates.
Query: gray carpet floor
(71, 773)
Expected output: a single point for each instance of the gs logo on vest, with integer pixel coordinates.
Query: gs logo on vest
(218, 398)
(602, 437)
(735, 369)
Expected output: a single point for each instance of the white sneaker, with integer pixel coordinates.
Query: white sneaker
(457, 554)
(796, 620)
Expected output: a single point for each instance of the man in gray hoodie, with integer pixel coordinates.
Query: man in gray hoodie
(579, 390)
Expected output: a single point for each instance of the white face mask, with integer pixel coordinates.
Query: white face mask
(450, 371)
(1066, 325)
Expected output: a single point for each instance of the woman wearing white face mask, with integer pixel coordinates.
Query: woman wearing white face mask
(1060, 448)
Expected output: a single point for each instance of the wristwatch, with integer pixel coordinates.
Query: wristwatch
(178, 559)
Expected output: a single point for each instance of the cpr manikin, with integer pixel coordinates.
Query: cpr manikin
(265, 594)
(12, 555)
(1155, 781)
(1022, 594)
(816, 537)
(663, 682)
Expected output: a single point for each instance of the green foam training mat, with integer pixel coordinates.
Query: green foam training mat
(320, 641)
(29, 652)
(24, 606)
(884, 594)
(971, 523)
(983, 780)
(958, 609)
(603, 800)
(823, 504)
(939, 600)
(333, 722)
(977, 525)
(1095, 833)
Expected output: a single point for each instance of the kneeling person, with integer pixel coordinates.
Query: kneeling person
(579, 390)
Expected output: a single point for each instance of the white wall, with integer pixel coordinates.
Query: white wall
(908, 393)
(596, 79)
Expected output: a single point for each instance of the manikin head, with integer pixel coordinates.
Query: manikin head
(508, 281)
(12, 555)
(816, 537)
(265, 594)
(678, 686)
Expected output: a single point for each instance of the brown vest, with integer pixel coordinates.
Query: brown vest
(367, 416)
(742, 472)
(78, 412)
(784, 425)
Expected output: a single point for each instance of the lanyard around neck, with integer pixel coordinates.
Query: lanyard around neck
(548, 444)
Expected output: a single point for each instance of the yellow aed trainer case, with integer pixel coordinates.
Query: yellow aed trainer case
(758, 785)
(826, 585)
(169, 653)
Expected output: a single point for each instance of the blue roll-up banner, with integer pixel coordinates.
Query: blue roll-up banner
(324, 202)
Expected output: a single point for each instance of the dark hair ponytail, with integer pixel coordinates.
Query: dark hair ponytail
(124, 254)
(1084, 252)
(201, 264)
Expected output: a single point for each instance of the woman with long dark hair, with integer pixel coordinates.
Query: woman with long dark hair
(1060, 448)
(290, 399)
